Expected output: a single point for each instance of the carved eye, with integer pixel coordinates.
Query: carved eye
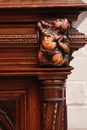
(60, 20)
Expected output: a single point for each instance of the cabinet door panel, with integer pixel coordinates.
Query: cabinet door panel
(19, 103)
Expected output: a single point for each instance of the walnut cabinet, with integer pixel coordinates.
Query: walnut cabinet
(33, 96)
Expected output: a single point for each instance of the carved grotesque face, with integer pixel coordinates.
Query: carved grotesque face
(65, 25)
(62, 24)
(58, 23)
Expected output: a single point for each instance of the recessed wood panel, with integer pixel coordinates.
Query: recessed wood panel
(21, 94)
(19, 100)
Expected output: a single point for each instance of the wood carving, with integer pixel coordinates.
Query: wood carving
(6, 121)
(55, 116)
(54, 45)
(52, 93)
(22, 81)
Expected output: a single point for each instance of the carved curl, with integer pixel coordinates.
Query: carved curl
(54, 45)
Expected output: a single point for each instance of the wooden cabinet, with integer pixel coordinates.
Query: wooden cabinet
(32, 97)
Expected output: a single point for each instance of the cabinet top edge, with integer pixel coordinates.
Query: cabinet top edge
(42, 5)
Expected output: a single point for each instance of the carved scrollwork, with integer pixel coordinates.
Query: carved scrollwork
(54, 45)
(6, 121)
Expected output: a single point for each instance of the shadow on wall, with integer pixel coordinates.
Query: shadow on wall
(82, 20)
(80, 57)
(81, 26)
(85, 1)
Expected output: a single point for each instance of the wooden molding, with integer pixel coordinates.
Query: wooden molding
(38, 92)
(39, 4)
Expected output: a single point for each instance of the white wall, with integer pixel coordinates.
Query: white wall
(76, 94)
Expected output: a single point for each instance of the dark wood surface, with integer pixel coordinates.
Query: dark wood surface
(40, 3)
(32, 97)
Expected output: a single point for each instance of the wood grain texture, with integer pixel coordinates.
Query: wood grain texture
(23, 92)
(53, 100)
(37, 92)
(39, 3)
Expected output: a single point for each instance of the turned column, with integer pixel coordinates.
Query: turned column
(53, 99)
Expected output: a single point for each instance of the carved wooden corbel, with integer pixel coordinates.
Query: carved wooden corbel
(54, 44)
(57, 42)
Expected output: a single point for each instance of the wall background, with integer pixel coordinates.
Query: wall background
(76, 93)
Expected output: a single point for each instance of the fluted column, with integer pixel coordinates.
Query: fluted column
(53, 100)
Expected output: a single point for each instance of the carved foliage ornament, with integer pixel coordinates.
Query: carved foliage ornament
(54, 44)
